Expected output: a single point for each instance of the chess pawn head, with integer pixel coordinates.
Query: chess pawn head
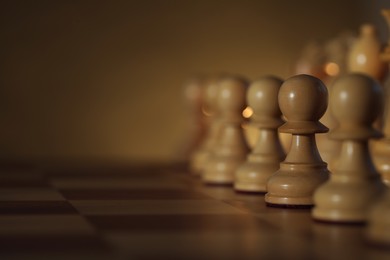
(210, 97)
(231, 98)
(302, 100)
(355, 103)
(194, 93)
(208, 110)
(262, 97)
(231, 147)
(354, 184)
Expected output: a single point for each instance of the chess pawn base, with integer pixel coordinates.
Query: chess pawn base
(344, 203)
(382, 160)
(299, 175)
(294, 184)
(198, 161)
(253, 175)
(227, 157)
(378, 230)
(349, 193)
(221, 170)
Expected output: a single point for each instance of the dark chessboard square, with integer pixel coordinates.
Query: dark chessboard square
(36, 207)
(141, 171)
(127, 194)
(23, 244)
(194, 222)
(10, 179)
(21, 183)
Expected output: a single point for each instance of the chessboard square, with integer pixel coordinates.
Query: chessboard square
(30, 194)
(36, 207)
(133, 194)
(25, 183)
(44, 225)
(107, 182)
(210, 244)
(200, 222)
(152, 207)
(22, 179)
(62, 245)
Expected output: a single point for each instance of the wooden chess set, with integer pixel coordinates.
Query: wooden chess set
(313, 184)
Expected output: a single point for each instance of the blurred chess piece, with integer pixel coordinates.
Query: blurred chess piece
(210, 110)
(364, 56)
(196, 121)
(264, 160)
(312, 60)
(381, 149)
(303, 99)
(231, 148)
(336, 51)
(354, 184)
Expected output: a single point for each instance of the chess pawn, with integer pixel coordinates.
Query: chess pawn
(194, 98)
(303, 100)
(262, 97)
(336, 52)
(209, 108)
(354, 184)
(231, 147)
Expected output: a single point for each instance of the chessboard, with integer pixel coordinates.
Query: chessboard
(156, 211)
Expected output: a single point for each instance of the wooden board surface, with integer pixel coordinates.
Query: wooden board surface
(156, 212)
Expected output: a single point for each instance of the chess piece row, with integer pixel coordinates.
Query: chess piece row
(301, 178)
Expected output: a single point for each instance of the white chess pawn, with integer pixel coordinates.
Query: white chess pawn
(231, 148)
(354, 184)
(303, 99)
(336, 50)
(264, 160)
(202, 154)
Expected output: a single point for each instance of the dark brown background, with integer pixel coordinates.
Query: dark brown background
(103, 79)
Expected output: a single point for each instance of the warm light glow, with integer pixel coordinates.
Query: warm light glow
(343, 95)
(361, 59)
(332, 69)
(248, 112)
